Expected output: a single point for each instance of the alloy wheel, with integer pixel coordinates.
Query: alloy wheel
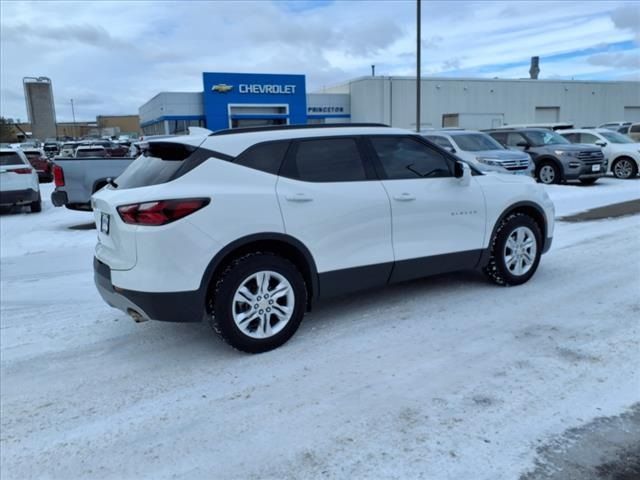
(623, 168)
(547, 174)
(263, 304)
(520, 251)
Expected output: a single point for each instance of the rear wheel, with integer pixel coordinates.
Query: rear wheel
(588, 181)
(624, 167)
(548, 173)
(258, 302)
(515, 250)
(37, 205)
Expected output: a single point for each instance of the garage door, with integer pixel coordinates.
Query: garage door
(547, 114)
(632, 114)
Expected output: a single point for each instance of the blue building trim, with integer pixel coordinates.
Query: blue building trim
(223, 91)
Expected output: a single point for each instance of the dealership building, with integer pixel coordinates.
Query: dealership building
(231, 100)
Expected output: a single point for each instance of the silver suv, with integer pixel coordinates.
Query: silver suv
(556, 160)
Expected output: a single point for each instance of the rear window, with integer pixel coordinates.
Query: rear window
(10, 158)
(162, 162)
(32, 155)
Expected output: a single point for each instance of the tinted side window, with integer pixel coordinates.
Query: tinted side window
(440, 141)
(635, 128)
(328, 160)
(588, 138)
(500, 137)
(572, 137)
(266, 157)
(403, 157)
(513, 139)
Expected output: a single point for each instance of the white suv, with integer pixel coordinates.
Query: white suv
(19, 184)
(248, 228)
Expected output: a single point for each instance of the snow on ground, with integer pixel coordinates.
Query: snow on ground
(447, 377)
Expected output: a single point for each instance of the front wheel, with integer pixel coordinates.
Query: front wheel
(515, 250)
(548, 173)
(258, 302)
(624, 168)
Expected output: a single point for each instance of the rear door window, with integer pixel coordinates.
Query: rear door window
(327, 160)
(10, 158)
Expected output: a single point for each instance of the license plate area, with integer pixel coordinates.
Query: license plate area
(105, 221)
(595, 168)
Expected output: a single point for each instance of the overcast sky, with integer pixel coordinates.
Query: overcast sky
(112, 56)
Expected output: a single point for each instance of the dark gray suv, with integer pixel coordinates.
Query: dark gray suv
(556, 160)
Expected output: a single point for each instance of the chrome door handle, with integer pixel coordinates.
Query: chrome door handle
(404, 197)
(298, 197)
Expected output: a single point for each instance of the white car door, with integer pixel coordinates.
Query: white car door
(438, 221)
(333, 203)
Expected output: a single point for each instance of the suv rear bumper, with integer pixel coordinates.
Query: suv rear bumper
(18, 197)
(163, 306)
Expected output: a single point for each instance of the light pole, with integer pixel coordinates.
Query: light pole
(73, 113)
(418, 68)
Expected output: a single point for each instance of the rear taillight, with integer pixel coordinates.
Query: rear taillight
(22, 170)
(160, 212)
(58, 176)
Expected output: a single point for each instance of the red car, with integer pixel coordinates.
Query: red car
(40, 162)
(113, 149)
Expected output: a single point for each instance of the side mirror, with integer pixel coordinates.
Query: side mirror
(462, 171)
(524, 145)
(601, 143)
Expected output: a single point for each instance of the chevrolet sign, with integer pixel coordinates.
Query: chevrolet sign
(222, 88)
(272, 89)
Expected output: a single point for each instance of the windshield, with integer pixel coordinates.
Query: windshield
(615, 137)
(476, 142)
(538, 138)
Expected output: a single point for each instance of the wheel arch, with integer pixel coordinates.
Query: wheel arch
(531, 209)
(281, 244)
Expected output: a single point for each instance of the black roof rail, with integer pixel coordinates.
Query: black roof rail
(270, 128)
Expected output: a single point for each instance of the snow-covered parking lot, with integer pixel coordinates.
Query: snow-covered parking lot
(445, 378)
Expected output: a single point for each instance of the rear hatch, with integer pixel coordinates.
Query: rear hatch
(164, 161)
(15, 174)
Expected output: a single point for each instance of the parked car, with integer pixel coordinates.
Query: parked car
(41, 163)
(556, 160)
(481, 150)
(614, 125)
(18, 181)
(112, 149)
(68, 149)
(91, 151)
(548, 126)
(51, 148)
(249, 228)
(632, 131)
(76, 179)
(622, 153)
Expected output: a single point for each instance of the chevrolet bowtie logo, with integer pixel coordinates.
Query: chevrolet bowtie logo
(222, 88)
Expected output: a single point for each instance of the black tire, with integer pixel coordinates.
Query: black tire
(37, 205)
(631, 172)
(588, 181)
(220, 302)
(556, 176)
(497, 269)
